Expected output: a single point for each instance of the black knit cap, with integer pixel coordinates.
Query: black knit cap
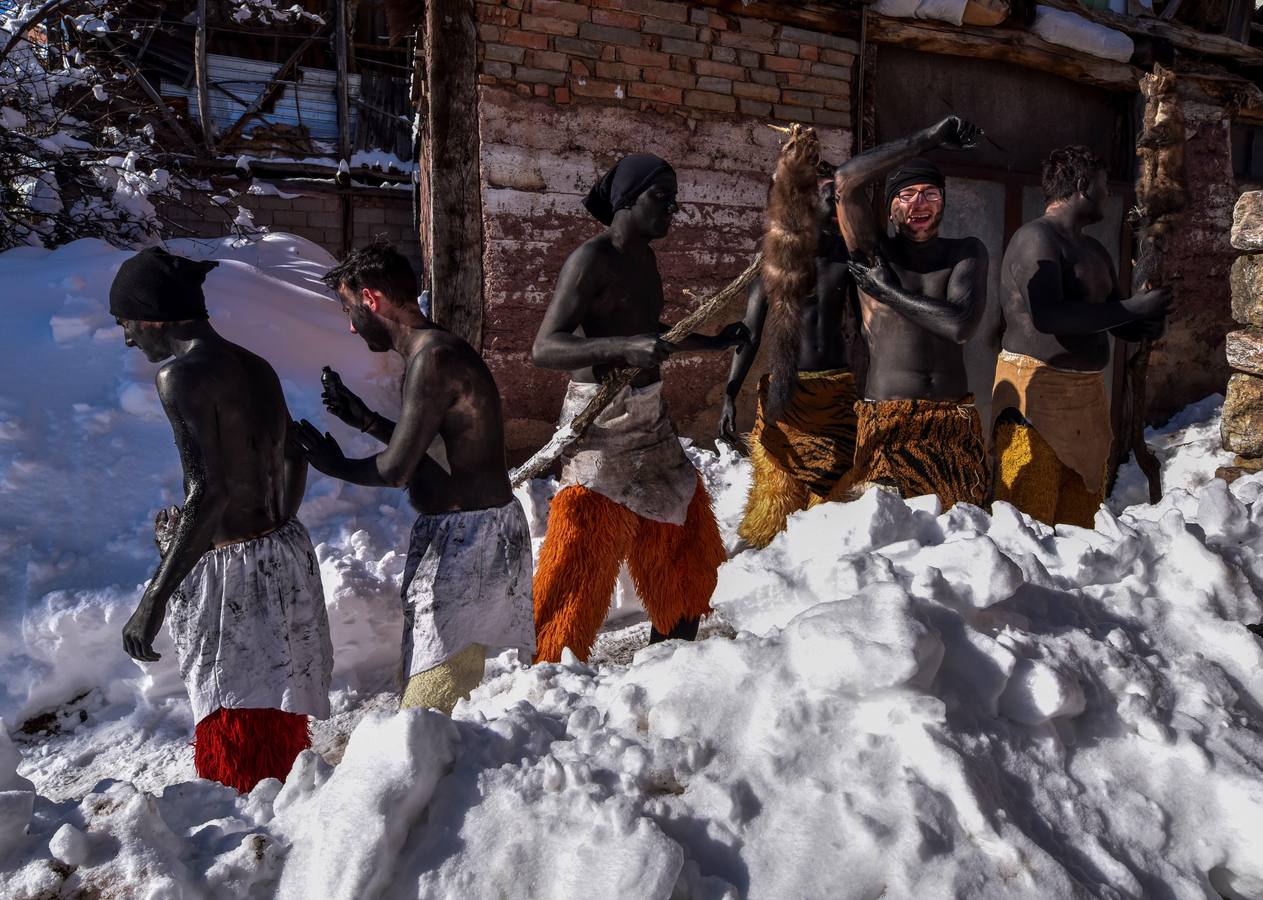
(914, 171)
(157, 286)
(621, 185)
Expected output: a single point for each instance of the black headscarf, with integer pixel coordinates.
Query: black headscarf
(156, 286)
(914, 171)
(621, 185)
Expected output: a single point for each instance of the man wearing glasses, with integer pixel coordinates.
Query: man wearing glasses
(921, 298)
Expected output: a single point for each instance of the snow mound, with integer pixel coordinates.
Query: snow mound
(901, 702)
(953, 705)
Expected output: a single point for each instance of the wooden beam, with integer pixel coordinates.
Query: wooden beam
(1006, 45)
(201, 75)
(165, 111)
(451, 157)
(1174, 33)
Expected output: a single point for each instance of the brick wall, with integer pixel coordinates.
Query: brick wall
(314, 216)
(670, 57)
(566, 88)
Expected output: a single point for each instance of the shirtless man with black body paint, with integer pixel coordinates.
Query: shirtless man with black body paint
(921, 297)
(241, 481)
(628, 492)
(448, 392)
(800, 455)
(474, 597)
(607, 306)
(238, 575)
(1061, 302)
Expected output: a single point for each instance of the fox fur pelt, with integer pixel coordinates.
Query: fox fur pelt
(789, 257)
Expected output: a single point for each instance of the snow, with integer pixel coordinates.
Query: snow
(894, 701)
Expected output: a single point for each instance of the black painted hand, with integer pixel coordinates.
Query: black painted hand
(140, 631)
(342, 401)
(728, 422)
(1153, 329)
(1149, 304)
(647, 351)
(165, 525)
(322, 450)
(873, 279)
(734, 334)
(955, 133)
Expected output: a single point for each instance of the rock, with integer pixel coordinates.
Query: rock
(1232, 473)
(1245, 350)
(1250, 465)
(1247, 222)
(1247, 289)
(1242, 427)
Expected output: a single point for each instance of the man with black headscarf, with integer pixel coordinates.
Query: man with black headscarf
(237, 573)
(921, 297)
(628, 491)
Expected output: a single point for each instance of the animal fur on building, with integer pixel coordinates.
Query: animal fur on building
(789, 257)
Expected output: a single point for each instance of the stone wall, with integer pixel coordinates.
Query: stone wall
(1242, 428)
(566, 88)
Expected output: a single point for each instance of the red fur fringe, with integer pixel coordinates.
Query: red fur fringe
(241, 747)
(674, 567)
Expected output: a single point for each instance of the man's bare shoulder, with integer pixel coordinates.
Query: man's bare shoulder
(1038, 235)
(440, 352)
(965, 248)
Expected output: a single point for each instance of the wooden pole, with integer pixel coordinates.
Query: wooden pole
(202, 76)
(454, 225)
(344, 125)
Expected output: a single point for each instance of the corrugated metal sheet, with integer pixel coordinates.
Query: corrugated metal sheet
(308, 102)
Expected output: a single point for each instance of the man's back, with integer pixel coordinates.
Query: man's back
(1043, 260)
(472, 428)
(241, 425)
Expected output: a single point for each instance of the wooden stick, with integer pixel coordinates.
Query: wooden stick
(700, 317)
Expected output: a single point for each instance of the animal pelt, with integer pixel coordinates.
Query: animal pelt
(789, 257)
(1160, 147)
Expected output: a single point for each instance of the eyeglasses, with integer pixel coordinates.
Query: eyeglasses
(931, 195)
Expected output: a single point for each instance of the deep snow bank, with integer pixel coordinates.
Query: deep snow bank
(957, 705)
(914, 704)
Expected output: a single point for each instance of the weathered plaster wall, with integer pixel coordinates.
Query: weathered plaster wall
(545, 141)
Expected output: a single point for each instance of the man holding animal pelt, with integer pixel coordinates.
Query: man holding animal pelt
(628, 490)
(804, 432)
(921, 297)
(1061, 302)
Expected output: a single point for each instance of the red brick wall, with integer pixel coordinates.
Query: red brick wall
(569, 87)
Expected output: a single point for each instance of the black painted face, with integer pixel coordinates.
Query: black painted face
(1095, 196)
(145, 336)
(364, 323)
(654, 209)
